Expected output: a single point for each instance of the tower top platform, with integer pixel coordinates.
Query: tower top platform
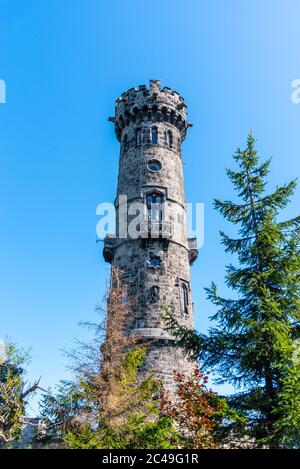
(154, 103)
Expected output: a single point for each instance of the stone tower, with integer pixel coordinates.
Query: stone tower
(153, 262)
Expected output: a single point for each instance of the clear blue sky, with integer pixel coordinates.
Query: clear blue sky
(64, 62)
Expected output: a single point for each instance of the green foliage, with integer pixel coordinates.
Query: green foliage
(12, 393)
(251, 345)
(139, 413)
(287, 426)
(131, 419)
(60, 410)
(136, 432)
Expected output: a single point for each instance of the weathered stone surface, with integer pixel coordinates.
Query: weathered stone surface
(162, 282)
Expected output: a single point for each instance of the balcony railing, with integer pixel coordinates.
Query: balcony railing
(156, 229)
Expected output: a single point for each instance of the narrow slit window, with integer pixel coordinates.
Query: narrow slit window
(179, 145)
(154, 135)
(184, 298)
(146, 135)
(124, 296)
(170, 139)
(138, 137)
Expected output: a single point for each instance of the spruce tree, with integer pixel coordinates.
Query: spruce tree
(252, 344)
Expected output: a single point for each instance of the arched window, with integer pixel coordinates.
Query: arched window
(154, 202)
(170, 138)
(138, 136)
(154, 135)
(184, 298)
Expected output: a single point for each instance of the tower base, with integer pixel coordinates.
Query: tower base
(162, 359)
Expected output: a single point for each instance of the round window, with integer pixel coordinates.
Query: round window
(154, 165)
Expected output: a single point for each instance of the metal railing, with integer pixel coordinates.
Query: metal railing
(156, 229)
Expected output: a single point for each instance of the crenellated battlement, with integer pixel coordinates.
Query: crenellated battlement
(154, 104)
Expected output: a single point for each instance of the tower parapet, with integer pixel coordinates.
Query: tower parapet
(139, 105)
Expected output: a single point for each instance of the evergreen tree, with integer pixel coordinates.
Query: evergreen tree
(252, 344)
